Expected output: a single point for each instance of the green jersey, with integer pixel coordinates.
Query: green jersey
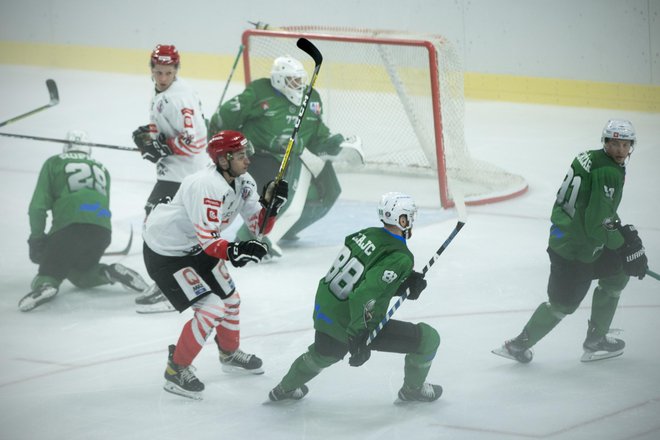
(589, 195)
(356, 292)
(75, 188)
(266, 118)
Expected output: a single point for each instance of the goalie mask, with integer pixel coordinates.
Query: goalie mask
(392, 206)
(77, 136)
(289, 77)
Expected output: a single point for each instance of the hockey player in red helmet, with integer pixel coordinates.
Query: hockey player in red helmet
(185, 253)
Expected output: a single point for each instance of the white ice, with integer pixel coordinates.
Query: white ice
(86, 366)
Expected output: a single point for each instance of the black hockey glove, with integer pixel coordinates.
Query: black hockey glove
(634, 260)
(151, 149)
(279, 191)
(630, 235)
(241, 253)
(37, 248)
(357, 347)
(415, 282)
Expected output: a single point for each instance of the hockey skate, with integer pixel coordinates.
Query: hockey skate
(239, 361)
(38, 296)
(515, 349)
(130, 279)
(601, 347)
(426, 393)
(277, 394)
(181, 380)
(153, 300)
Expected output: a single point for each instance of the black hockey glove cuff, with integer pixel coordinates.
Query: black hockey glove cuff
(357, 347)
(37, 248)
(241, 253)
(279, 192)
(415, 282)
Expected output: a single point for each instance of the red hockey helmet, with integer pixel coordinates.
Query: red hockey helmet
(227, 142)
(166, 55)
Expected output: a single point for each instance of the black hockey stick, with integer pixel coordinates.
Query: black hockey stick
(125, 250)
(54, 100)
(64, 141)
(306, 46)
(426, 268)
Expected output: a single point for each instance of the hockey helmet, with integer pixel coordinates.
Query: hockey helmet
(618, 129)
(77, 136)
(289, 77)
(165, 54)
(227, 142)
(395, 204)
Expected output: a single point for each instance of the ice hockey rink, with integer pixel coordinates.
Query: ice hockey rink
(86, 365)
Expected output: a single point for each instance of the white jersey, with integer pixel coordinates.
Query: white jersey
(177, 113)
(203, 207)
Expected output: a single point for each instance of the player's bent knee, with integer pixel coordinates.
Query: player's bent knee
(429, 339)
(561, 310)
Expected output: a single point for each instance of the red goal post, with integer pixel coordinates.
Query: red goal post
(401, 93)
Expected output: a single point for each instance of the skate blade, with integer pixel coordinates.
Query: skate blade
(502, 351)
(241, 370)
(174, 389)
(592, 356)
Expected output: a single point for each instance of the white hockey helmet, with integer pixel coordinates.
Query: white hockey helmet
(618, 129)
(289, 77)
(77, 136)
(395, 204)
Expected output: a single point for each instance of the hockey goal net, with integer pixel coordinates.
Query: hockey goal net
(401, 93)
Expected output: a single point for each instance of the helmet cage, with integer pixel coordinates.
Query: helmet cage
(289, 77)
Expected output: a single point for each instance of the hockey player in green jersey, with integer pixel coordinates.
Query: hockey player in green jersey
(76, 189)
(587, 243)
(266, 112)
(373, 266)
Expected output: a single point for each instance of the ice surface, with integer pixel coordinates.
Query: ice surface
(87, 366)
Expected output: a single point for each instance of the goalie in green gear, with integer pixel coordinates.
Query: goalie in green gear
(586, 245)
(76, 189)
(374, 265)
(266, 112)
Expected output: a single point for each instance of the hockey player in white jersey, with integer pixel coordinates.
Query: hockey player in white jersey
(174, 140)
(185, 254)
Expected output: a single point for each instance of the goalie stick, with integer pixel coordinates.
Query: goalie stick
(54, 100)
(306, 46)
(64, 141)
(125, 250)
(426, 268)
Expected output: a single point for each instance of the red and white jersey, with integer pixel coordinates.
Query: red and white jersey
(203, 207)
(177, 113)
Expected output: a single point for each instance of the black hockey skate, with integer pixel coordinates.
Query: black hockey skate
(153, 300)
(130, 279)
(426, 393)
(38, 296)
(516, 349)
(181, 380)
(239, 361)
(278, 394)
(598, 347)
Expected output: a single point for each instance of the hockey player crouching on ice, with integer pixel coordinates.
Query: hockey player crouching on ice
(266, 112)
(374, 265)
(76, 189)
(185, 255)
(586, 244)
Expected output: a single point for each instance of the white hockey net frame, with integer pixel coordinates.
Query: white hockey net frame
(401, 93)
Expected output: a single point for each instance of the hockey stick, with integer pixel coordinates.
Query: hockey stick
(125, 250)
(64, 141)
(54, 100)
(652, 274)
(306, 46)
(426, 268)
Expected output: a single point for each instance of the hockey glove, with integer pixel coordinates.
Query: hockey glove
(241, 253)
(279, 191)
(415, 282)
(151, 149)
(37, 248)
(630, 235)
(357, 347)
(634, 260)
